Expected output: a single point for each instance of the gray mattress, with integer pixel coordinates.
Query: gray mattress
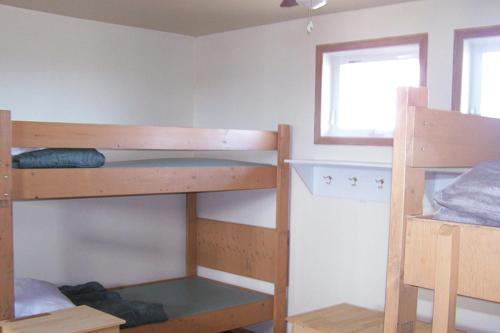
(188, 296)
(181, 163)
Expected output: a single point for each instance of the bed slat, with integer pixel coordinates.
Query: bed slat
(66, 135)
(236, 248)
(479, 258)
(451, 139)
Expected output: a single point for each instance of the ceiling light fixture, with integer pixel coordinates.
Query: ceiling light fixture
(309, 4)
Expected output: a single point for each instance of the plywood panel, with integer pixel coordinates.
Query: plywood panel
(345, 318)
(77, 319)
(451, 139)
(479, 255)
(6, 241)
(67, 135)
(238, 249)
(53, 183)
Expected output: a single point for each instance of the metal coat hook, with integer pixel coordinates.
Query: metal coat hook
(380, 183)
(354, 181)
(328, 179)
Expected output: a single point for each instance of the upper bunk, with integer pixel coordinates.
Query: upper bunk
(426, 139)
(161, 176)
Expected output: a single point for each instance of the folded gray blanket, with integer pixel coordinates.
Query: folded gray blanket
(473, 198)
(59, 158)
(135, 313)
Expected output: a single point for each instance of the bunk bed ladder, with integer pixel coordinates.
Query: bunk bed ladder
(6, 241)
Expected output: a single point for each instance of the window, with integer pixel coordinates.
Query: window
(356, 85)
(476, 71)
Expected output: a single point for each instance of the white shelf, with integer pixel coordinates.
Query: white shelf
(359, 180)
(345, 179)
(341, 163)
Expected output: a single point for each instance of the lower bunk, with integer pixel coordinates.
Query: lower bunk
(200, 305)
(183, 305)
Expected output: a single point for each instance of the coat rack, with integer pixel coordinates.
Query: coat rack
(369, 181)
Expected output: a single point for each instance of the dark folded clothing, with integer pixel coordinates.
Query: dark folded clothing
(86, 288)
(59, 158)
(135, 313)
(84, 299)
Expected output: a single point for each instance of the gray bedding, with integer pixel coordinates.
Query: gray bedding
(472, 198)
(59, 158)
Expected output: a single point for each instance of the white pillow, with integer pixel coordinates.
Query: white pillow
(34, 297)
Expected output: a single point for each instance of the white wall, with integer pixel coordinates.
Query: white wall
(258, 77)
(55, 68)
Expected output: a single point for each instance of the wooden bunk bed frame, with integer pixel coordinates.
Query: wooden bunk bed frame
(255, 252)
(450, 258)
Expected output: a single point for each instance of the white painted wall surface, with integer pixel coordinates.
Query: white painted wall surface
(259, 77)
(55, 68)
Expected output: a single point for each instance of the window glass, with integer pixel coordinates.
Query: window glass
(359, 86)
(476, 74)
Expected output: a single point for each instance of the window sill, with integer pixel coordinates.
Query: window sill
(366, 141)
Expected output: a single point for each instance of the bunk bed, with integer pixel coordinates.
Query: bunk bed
(255, 252)
(449, 257)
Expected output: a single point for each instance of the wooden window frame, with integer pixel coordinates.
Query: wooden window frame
(458, 52)
(420, 39)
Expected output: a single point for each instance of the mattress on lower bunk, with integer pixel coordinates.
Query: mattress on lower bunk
(189, 296)
(473, 198)
(182, 163)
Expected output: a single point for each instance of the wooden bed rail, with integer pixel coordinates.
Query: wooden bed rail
(27, 134)
(478, 257)
(451, 139)
(236, 248)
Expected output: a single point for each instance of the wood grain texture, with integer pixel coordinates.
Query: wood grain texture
(31, 184)
(191, 262)
(213, 321)
(446, 279)
(344, 318)
(282, 230)
(458, 52)
(479, 256)
(406, 198)
(68, 135)
(451, 139)
(80, 319)
(6, 227)
(236, 248)
(321, 50)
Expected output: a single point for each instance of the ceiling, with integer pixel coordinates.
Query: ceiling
(187, 17)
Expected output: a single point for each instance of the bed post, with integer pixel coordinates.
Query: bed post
(191, 262)
(6, 243)
(282, 229)
(446, 279)
(406, 198)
